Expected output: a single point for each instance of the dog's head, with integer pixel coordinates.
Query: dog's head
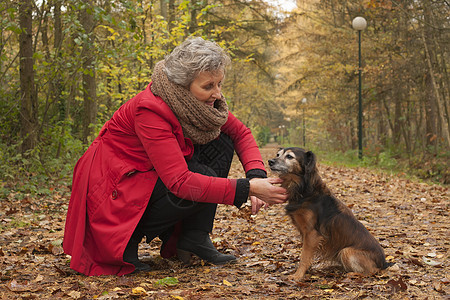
(293, 160)
(297, 167)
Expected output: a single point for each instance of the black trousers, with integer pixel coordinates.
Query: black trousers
(164, 209)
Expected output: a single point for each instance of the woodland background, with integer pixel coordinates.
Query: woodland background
(66, 66)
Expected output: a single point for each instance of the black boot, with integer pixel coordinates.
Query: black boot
(130, 255)
(199, 243)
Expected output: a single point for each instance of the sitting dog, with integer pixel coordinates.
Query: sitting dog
(327, 226)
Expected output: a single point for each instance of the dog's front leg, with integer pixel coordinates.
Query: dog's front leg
(311, 242)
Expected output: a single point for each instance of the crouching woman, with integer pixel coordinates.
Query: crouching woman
(159, 167)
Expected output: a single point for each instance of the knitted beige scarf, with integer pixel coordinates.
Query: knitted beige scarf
(200, 122)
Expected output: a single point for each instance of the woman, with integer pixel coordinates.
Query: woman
(158, 169)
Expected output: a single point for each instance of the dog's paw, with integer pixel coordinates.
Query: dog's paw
(296, 277)
(355, 275)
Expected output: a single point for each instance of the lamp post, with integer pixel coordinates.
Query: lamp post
(282, 134)
(304, 127)
(359, 23)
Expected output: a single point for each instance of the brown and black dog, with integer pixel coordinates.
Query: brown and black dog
(328, 227)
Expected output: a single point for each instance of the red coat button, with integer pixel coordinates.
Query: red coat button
(114, 194)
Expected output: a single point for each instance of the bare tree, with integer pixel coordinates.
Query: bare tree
(89, 83)
(28, 99)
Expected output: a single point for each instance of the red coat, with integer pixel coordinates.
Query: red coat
(114, 179)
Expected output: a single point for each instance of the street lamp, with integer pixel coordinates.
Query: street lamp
(281, 127)
(304, 127)
(359, 23)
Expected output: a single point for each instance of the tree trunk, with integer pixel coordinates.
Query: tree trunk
(172, 13)
(28, 99)
(397, 117)
(57, 82)
(163, 5)
(437, 96)
(382, 134)
(89, 84)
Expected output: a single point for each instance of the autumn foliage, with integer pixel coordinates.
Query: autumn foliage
(409, 218)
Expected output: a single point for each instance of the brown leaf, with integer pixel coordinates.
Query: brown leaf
(59, 270)
(11, 211)
(246, 214)
(415, 261)
(445, 280)
(437, 285)
(26, 286)
(41, 249)
(23, 251)
(55, 250)
(397, 285)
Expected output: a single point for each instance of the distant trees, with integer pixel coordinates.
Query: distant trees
(66, 66)
(405, 77)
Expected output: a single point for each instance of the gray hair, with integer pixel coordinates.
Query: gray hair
(193, 56)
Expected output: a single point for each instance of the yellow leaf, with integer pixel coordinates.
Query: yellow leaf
(138, 291)
(177, 297)
(226, 282)
(256, 243)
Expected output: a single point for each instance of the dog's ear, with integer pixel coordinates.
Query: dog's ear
(310, 162)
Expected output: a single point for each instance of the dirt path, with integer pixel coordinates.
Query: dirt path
(411, 220)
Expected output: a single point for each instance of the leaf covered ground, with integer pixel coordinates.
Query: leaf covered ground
(409, 218)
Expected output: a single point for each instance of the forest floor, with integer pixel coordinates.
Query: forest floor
(409, 218)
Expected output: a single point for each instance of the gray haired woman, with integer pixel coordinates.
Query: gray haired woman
(159, 168)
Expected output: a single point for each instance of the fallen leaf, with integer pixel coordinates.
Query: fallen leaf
(139, 291)
(431, 262)
(261, 262)
(397, 285)
(26, 286)
(74, 294)
(55, 250)
(167, 281)
(415, 261)
(394, 268)
(23, 251)
(59, 270)
(226, 282)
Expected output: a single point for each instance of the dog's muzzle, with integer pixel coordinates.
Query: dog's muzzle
(275, 166)
(271, 162)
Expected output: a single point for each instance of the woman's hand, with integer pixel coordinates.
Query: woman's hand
(264, 189)
(257, 204)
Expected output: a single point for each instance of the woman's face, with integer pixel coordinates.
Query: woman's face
(206, 86)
